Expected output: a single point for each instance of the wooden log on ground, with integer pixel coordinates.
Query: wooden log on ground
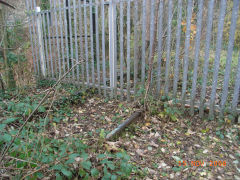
(128, 121)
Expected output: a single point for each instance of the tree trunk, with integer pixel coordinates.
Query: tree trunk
(1, 83)
(9, 75)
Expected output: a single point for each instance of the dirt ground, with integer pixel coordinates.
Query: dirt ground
(187, 148)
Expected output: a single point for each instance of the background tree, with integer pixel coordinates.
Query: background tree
(9, 75)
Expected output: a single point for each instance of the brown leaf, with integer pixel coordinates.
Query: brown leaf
(140, 152)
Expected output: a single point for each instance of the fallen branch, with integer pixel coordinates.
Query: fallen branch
(131, 119)
(5, 150)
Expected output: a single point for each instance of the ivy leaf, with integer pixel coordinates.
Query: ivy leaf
(86, 177)
(10, 120)
(40, 175)
(57, 119)
(74, 155)
(66, 172)
(58, 176)
(70, 161)
(101, 156)
(111, 165)
(2, 126)
(94, 172)
(41, 109)
(107, 175)
(86, 165)
(57, 167)
(126, 168)
(84, 156)
(119, 155)
(104, 161)
(81, 172)
(7, 137)
(113, 177)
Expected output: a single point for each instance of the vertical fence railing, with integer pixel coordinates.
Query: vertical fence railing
(33, 5)
(34, 56)
(45, 42)
(135, 22)
(206, 57)
(128, 48)
(57, 38)
(122, 40)
(236, 89)
(196, 57)
(160, 34)
(81, 40)
(169, 29)
(40, 41)
(143, 41)
(178, 38)
(229, 53)
(97, 47)
(75, 38)
(121, 49)
(61, 34)
(217, 56)
(112, 45)
(103, 47)
(186, 51)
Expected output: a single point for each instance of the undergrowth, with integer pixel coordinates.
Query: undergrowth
(34, 154)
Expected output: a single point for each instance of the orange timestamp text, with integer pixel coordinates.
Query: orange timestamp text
(202, 163)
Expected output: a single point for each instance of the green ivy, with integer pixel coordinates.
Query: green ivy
(35, 146)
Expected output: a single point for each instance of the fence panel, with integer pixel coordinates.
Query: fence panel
(187, 50)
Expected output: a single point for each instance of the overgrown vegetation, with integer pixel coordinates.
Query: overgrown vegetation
(35, 155)
(13, 51)
(65, 139)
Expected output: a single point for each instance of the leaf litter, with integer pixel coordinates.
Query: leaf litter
(158, 145)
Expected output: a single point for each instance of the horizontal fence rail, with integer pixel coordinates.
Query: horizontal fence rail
(189, 49)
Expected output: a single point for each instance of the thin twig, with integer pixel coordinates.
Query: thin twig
(45, 166)
(14, 168)
(7, 147)
(21, 160)
(54, 95)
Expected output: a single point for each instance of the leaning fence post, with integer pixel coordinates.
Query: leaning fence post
(40, 41)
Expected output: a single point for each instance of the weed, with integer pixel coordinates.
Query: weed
(66, 157)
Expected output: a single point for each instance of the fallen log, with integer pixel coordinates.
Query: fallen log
(128, 121)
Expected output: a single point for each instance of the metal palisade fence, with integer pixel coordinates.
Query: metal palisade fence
(188, 48)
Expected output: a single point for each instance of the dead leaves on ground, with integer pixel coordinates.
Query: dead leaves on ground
(158, 144)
